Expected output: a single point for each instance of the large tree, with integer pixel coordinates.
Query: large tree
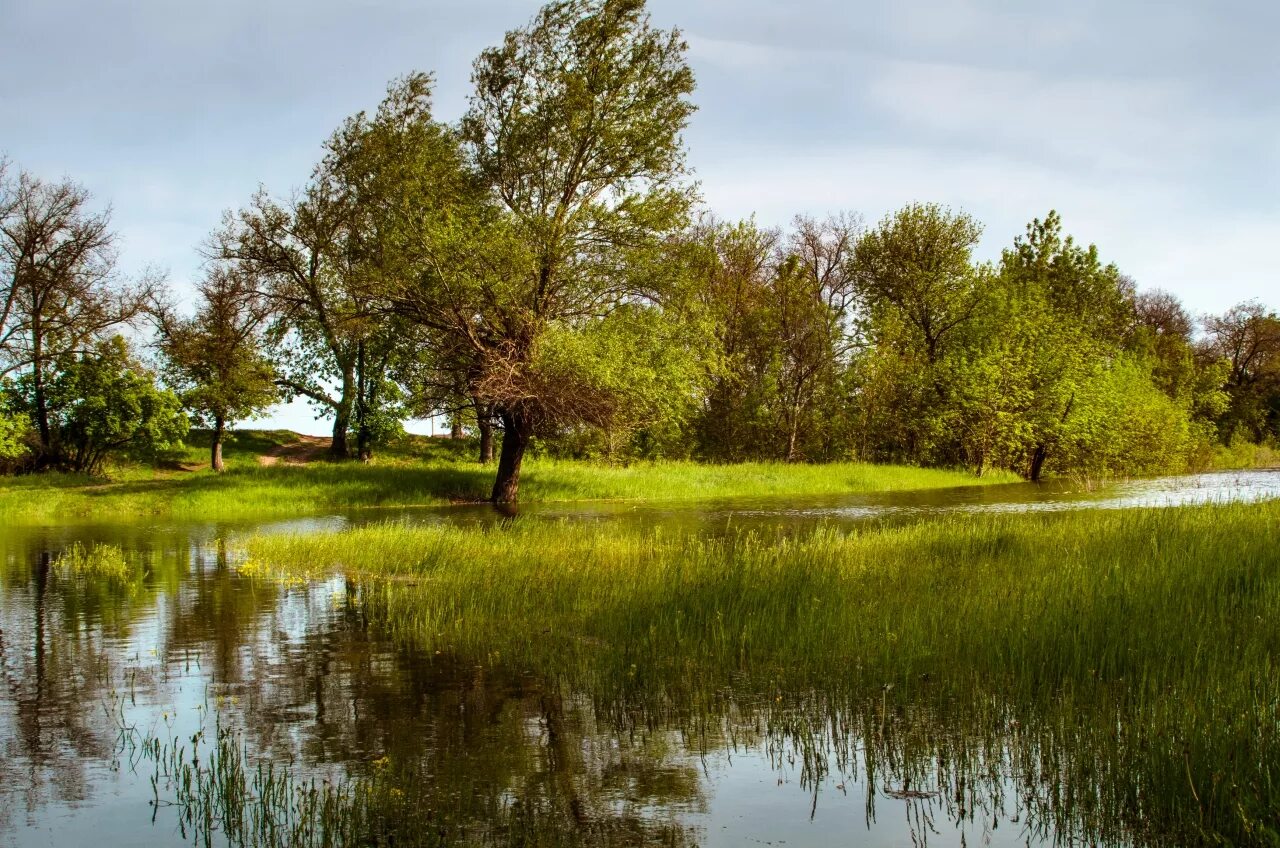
(60, 292)
(1071, 315)
(216, 358)
(573, 138)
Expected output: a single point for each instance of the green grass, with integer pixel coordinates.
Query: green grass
(1123, 664)
(98, 562)
(1243, 454)
(417, 472)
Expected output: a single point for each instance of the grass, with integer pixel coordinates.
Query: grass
(1120, 664)
(1244, 455)
(417, 472)
(98, 562)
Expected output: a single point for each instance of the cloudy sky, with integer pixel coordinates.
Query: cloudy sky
(1153, 128)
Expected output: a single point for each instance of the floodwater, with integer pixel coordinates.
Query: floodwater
(88, 669)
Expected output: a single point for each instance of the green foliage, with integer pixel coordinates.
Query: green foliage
(631, 377)
(1047, 364)
(99, 562)
(18, 438)
(215, 359)
(104, 402)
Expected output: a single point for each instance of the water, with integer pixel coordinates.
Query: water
(89, 668)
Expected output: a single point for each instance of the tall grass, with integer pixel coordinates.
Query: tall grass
(1121, 664)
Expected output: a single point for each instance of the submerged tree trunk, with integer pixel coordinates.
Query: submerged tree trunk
(516, 432)
(215, 450)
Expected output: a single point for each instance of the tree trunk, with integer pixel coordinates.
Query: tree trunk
(1038, 457)
(793, 435)
(484, 423)
(42, 406)
(342, 417)
(42, 410)
(515, 438)
(215, 450)
(455, 426)
(341, 422)
(364, 436)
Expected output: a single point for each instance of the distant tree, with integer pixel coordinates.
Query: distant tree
(103, 402)
(812, 291)
(60, 293)
(318, 259)
(1247, 339)
(1072, 315)
(216, 358)
(729, 267)
(915, 269)
(919, 292)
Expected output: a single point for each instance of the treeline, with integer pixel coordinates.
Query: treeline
(542, 272)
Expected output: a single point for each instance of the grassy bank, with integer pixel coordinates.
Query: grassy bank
(418, 473)
(1122, 664)
(1244, 455)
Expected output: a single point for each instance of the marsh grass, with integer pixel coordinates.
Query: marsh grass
(1122, 664)
(97, 562)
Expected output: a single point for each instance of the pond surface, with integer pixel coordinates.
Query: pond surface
(88, 669)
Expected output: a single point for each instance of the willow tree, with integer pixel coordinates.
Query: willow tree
(574, 165)
(575, 128)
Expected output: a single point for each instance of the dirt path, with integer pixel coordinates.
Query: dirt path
(306, 449)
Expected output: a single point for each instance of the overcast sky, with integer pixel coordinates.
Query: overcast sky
(1153, 128)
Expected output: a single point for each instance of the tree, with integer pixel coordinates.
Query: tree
(61, 293)
(1247, 339)
(918, 292)
(1072, 314)
(573, 137)
(215, 358)
(102, 402)
(317, 260)
(730, 267)
(813, 290)
(917, 265)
